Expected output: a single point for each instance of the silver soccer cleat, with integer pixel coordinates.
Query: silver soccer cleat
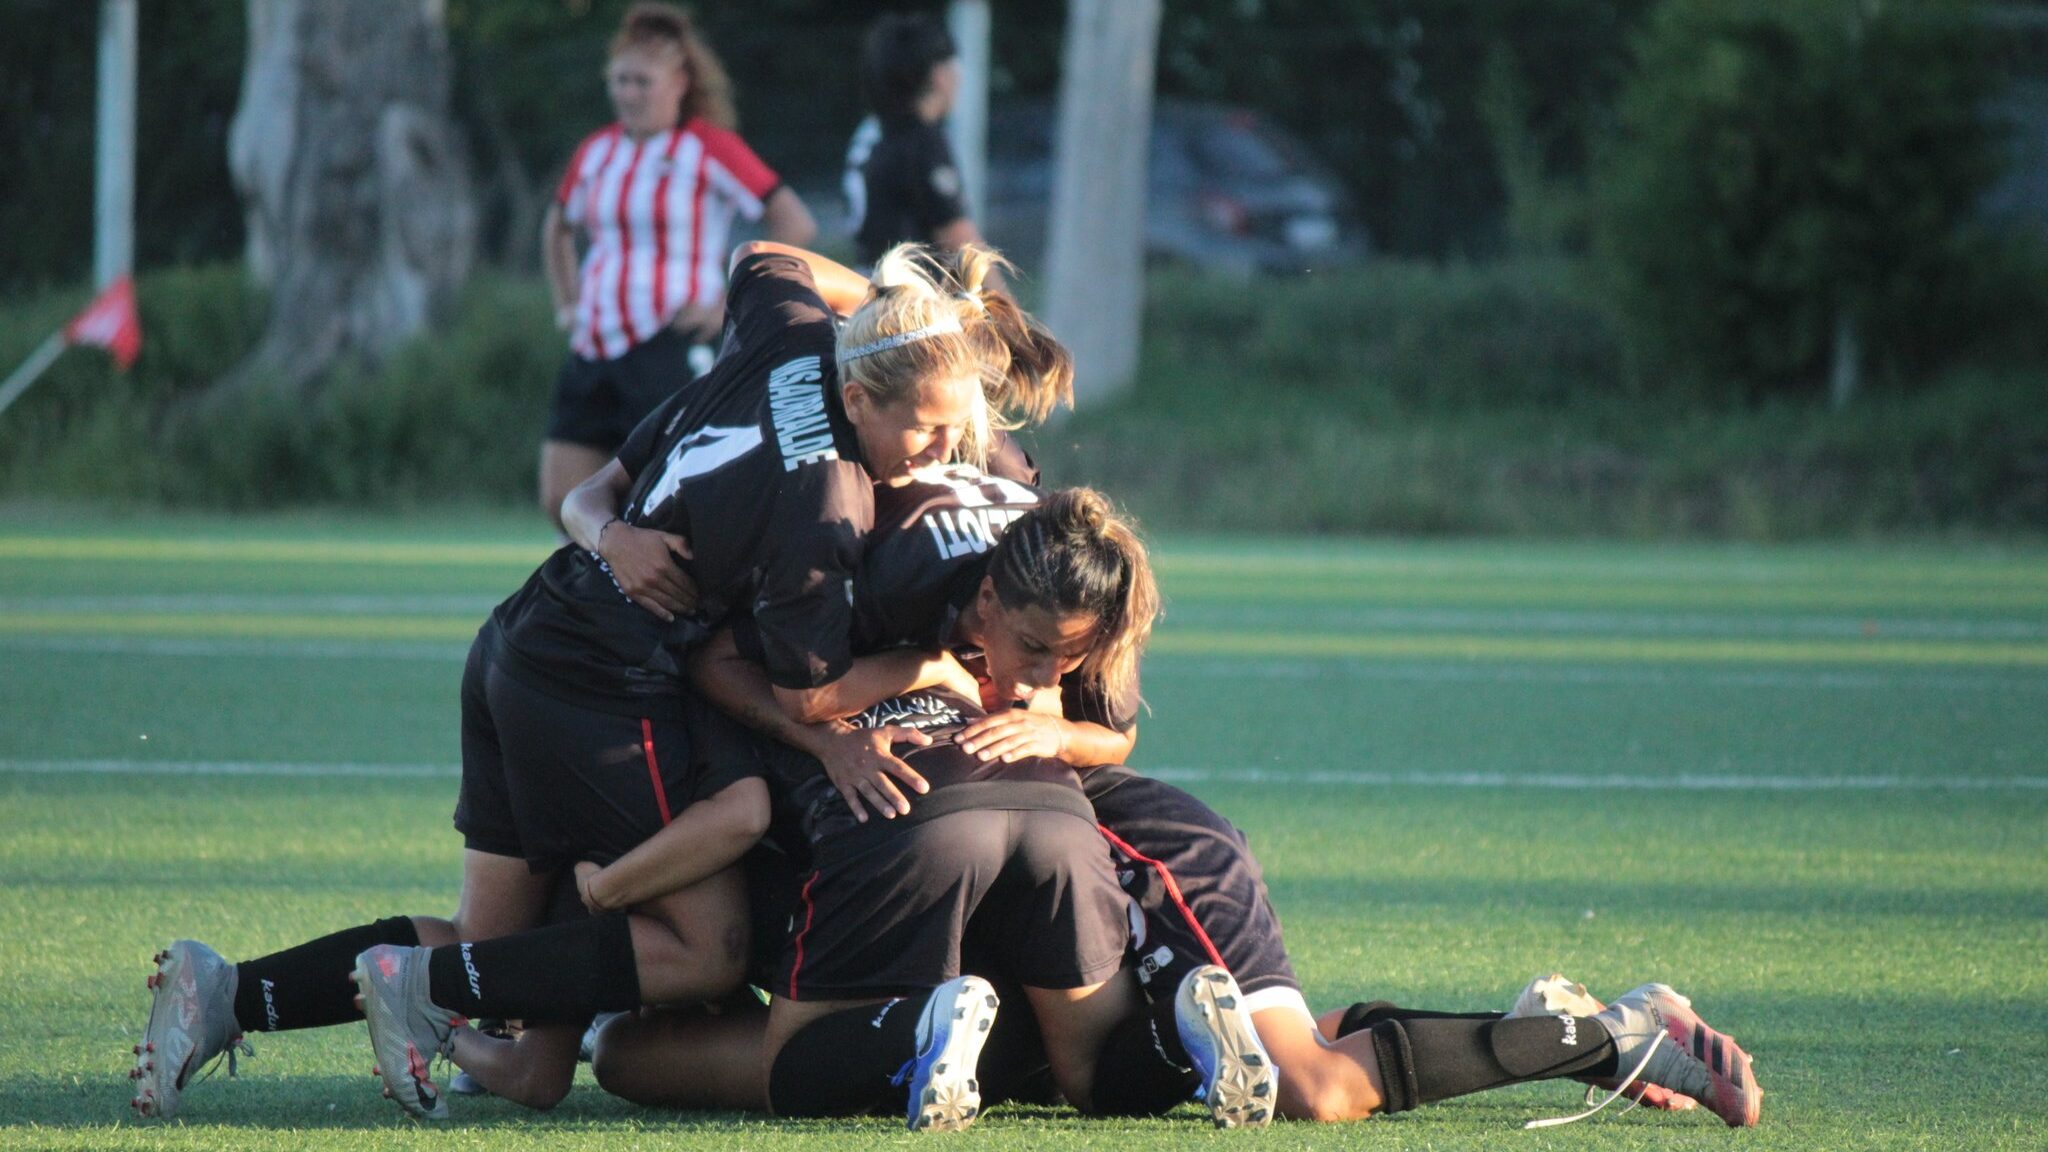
(406, 1030)
(191, 1023)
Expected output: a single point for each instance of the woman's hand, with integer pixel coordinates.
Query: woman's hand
(861, 766)
(643, 561)
(1014, 734)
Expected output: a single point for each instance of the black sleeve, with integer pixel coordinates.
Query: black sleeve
(804, 614)
(938, 199)
(1086, 703)
(768, 295)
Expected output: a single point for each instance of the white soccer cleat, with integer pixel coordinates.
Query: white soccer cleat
(1556, 995)
(944, 1094)
(1239, 1081)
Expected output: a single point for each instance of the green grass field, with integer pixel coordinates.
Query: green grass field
(1806, 786)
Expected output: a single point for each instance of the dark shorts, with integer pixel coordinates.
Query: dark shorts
(556, 782)
(1192, 875)
(885, 915)
(774, 885)
(598, 403)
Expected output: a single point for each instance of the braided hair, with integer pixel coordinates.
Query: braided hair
(1075, 554)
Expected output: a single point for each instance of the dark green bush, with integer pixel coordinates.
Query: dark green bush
(1400, 398)
(1789, 172)
(1389, 336)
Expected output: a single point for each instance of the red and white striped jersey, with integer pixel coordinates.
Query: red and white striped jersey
(657, 214)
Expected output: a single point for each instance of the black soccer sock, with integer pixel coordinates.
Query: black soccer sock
(1359, 1017)
(309, 986)
(1142, 1068)
(554, 975)
(848, 1063)
(1423, 1060)
(1013, 1064)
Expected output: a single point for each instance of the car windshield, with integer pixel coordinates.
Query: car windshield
(1235, 145)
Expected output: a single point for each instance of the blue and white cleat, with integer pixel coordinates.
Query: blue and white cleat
(944, 1095)
(1239, 1081)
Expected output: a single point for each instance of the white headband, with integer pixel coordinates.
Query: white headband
(941, 327)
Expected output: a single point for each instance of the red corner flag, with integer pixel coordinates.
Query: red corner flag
(110, 322)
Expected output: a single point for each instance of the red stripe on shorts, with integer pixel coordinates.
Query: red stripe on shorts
(654, 769)
(1172, 892)
(801, 933)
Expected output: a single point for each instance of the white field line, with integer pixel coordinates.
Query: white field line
(227, 768)
(1593, 622)
(1511, 672)
(1481, 781)
(453, 653)
(1163, 666)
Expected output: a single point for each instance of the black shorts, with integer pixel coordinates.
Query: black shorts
(884, 915)
(774, 884)
(556, 782)
(1192, 875)
(598, 403)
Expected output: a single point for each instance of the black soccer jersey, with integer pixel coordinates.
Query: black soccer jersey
(808, 810)
(923, 562)
(911, 187)
(758, 466)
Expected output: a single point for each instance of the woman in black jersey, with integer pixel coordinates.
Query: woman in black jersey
(579, 738)
(901, 181)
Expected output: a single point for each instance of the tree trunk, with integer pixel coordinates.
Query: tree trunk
(1095, 263)
(361, 218)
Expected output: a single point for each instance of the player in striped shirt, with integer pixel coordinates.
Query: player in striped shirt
(652, 197)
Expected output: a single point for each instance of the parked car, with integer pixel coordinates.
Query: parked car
(1225, 188)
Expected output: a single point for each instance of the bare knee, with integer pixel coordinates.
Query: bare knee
(614, 1061)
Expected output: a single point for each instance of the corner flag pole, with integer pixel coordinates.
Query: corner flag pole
(113, 197)
(37, 363)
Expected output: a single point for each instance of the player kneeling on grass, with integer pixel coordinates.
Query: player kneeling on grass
(1202, 900)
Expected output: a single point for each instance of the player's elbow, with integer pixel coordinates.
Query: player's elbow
(750, 248)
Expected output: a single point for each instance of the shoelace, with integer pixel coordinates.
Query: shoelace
(1560, 1121)
(239, 1043)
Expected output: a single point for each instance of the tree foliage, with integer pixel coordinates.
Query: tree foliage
(1791, 172)
(1386, 91)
